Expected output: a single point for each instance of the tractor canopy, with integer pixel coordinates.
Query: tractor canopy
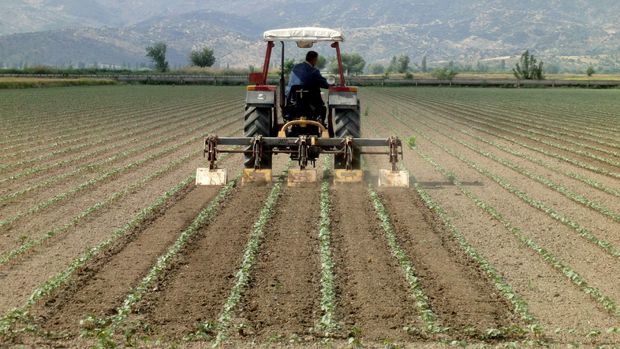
(305, 37)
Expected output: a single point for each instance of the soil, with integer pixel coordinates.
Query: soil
(460, 294)
(283, 297)
(373, 297)
(110, 278)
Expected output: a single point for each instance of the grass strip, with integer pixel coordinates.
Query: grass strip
(242, 277)
(328, 300)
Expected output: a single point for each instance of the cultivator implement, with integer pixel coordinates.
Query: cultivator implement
(305, 150)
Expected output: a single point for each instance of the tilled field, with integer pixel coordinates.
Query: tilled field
(509, 235)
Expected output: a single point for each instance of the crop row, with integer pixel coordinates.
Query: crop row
(129, 130)
(105, 177)
(49, 120)
(90, 154)
(328, 300)
(547, 256)
(66, 126)
(144, 118)
(542, 121)
(9, 320)
(589, 181)
(538, 178)
(509, 125)
(519, 305)
(579, 177)
(491, 123)
(558, 129)
(440, 112)
(115, 197)
(543, 106)
(161, 129)
(421, 299)
(537, 204)
(105, 333)
(70, 127)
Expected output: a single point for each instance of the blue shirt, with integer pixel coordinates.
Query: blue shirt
(306, 75)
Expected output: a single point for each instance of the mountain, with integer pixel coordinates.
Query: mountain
(62, 32)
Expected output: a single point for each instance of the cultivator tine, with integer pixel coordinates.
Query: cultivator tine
(348, 176)
(393, 179)
(302, 178)
(209, 177)
(256, 177)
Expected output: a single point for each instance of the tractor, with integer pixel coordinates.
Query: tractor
(274, 124)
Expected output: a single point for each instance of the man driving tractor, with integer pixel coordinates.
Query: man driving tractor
(307, 79)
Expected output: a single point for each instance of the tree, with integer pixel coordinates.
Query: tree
(157, 53)
(393, 67)
(321, 63)
(202, 58)
(288, 66)
(376, 69)
(403, 64)
(424, 67)
(590, 71)
(352, 63)
(528, 68)
(444, 73)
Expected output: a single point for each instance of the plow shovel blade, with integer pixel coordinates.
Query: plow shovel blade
(348, 176)
(256, 177)
(301, 178)
(205, 176)
(393, 179)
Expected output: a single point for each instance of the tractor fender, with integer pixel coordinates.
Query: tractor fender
(343, 99)
(260, 98)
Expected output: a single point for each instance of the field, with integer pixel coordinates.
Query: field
(509, 235)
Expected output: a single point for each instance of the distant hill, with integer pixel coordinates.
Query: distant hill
(63, 32)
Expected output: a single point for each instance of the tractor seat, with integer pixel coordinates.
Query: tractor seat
(305, 102)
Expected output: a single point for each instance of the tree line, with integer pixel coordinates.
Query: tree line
(528, 66)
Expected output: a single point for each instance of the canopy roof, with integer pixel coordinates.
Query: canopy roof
(306, 35)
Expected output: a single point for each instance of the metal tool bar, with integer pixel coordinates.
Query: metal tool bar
(285, 142)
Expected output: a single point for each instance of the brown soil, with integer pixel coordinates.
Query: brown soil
(552, 299)
(52, 257)
(373, 296)
(283, 297)
(108, 279)
(194, 290)
(460, 294)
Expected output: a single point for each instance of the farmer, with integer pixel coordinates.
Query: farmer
(307, 76)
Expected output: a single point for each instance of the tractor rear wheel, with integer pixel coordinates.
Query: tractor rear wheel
(347, 124)
(257, 122)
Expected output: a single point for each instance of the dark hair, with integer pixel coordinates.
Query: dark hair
(311, 55)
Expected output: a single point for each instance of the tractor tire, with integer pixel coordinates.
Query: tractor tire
(257, 122)
(347, 124)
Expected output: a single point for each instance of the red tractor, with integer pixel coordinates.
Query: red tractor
(274, 125)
